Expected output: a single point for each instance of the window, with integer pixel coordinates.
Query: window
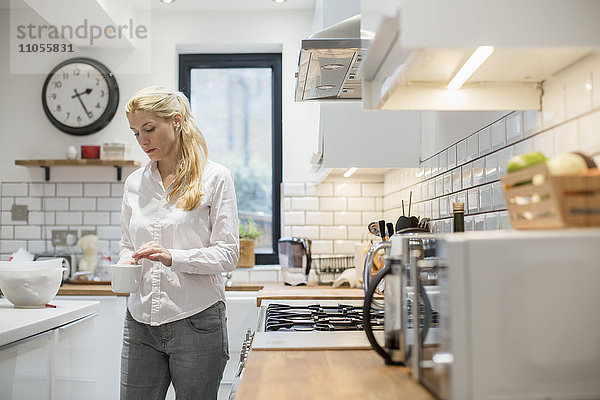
(236, 100)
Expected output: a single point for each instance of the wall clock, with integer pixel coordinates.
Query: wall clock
(80, 96)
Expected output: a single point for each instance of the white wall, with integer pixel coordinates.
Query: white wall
(26, 133)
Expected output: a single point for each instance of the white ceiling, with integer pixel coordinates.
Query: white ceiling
(219, 5)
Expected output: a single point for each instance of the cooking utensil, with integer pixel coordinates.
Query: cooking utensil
(414, 221)
(382, 229)
(390, 229)
(373, 228)
(403, 223)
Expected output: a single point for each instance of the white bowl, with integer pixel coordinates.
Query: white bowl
(31, 265)
(30, 289)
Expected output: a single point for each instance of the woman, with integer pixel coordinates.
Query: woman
(179, 221)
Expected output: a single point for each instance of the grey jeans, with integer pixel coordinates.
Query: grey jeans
(191, 353)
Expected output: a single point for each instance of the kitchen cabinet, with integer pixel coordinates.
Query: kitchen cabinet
(352, 137)
(26, 370)
(420, 45)
(92, 369)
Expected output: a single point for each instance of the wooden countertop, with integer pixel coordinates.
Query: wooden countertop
(330, 374)
(103, 289)
(278, 291)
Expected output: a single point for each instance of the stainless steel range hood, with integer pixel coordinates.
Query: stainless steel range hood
(329, 61)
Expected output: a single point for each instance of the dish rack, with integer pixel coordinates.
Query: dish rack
(328, 268)
(537, 200)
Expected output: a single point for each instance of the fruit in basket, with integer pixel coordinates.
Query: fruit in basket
(522, 161)
(567, 164)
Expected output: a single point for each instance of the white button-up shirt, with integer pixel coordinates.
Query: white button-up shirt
(203, 243)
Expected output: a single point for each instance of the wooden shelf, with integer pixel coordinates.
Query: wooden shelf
(95, 162)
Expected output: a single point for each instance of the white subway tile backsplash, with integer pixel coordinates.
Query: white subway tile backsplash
(485, 140)
(498, 136)
(8, 232)
(461, 152)
(32, 203)
(333, 232)
(452, 157)
(96, 218)
(56, 204)
(293, 218)
(472, 147)
(69, 218)
(467, 175)
(287, 204)
(319, 218)
(287, 231)
(10, 246)
(42, 189)
(514, 127)
(346, 218)
(109, 204)
(305, 203)
(37, 246)
(321, 189)
(346, 189)
(431, 184)
(344, 247)
(498, 202)
(82, 203)
(544, 143)
(69, 189)
(7, 203)
(503, 156)
(363, 203)
(485, 198)
(372, 189)
(96, 189)
(524, 147)
(115, 218)
(332, 203)
(532, 122)
(504, 220)
(491, 221)
(109, 232)
(456, 179)
(590, 132)
(444, 210)
(369, 216)
(473, 200)
(439, 185)
(322, 246)
(566, 137)
(553, 104)
(478, 171)
(479, 222)
(15, 189)
(443, 161)
(28, 232)
(116, 189)
(294, 189)
(447, 185)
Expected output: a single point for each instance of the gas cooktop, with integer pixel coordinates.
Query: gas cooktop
(316, 317)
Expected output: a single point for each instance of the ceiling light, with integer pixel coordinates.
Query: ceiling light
(332, 67)
(477, 58)
(279, 1)
(167, 1)
(350, 171)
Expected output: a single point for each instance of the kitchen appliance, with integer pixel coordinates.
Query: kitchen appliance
(519, 316)
(319, 317)
(329, 62)
(400, 300)
(69, 261)
(295, 259)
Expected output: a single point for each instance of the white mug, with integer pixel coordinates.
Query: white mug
(125, 278)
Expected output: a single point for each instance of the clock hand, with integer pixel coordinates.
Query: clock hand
(78, 95)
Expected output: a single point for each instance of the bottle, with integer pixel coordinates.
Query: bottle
(458, 209)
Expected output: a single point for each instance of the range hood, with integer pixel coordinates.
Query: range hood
(329, 62)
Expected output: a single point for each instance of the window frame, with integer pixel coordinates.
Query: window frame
(187, 62)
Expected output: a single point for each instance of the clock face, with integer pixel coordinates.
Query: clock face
(80, 96)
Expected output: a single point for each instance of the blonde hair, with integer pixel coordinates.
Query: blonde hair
(163, 103)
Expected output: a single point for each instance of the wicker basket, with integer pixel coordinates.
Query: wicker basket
(537, 200)
(328, 268)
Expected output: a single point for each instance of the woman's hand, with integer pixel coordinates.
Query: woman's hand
(154, 252)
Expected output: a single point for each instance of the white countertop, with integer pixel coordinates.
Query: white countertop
(20, 323)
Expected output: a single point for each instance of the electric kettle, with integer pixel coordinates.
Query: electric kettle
(295, 259)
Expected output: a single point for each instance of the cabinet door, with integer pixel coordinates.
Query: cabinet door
(108, 337)
(26, 368)
(353, 137)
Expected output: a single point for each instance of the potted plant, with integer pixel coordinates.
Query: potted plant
(248, 234)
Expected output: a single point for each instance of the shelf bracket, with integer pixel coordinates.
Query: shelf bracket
(46, 172)
(119, 172)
